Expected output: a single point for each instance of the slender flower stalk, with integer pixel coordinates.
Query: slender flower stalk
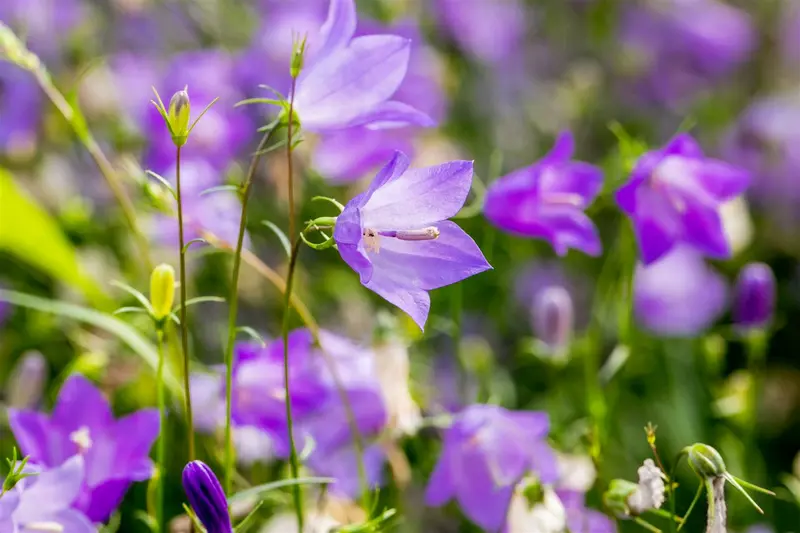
(234, 307)
(161, 450)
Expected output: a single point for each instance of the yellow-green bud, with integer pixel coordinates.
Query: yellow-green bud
(162, 290)
(705, 460)
(178, 115)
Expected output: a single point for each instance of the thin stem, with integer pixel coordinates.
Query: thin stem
(456, 311)
(691, 507)
(756, 344)
(233, 312)
(293, 459)
(289, 162)
(162, 440)
(184, 328)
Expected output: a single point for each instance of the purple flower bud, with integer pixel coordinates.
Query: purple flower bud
(553, 317)
(206, 497)
(26, 382)
(755, 296)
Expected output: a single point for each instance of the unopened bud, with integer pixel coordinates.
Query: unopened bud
(162, 290)
(178, 116)
(298, 57)
(705, 460)
(554, 318)
(26, 383)
(754, 301)
(616, 497)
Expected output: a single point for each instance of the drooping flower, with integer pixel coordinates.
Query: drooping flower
(27, 380)
(665, 294)
(754, 296)
(115, 451)
(546, 200)
(397, 237)
(486, 452)
(206, 497)
(351, 81)
(674, 195)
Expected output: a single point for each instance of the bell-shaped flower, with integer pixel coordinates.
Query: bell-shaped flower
(754, 297)
(486, 452)
(115, 451)
(350, 81)
(397, 237)
(674, 195)
(547, 200)
(43, 501)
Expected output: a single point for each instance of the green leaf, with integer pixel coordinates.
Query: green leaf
(268, 487)
(218, 188)
(248, 520)
(200, 300)
(287, 247)
(141, 298)
(250, 332)
(141, 346)
(32, 235)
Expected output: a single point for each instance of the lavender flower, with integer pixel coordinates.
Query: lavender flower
(396, 236)
(43, 501)
(754, 297)
(674, 195)
(115, 451)
(206, 497)
(486, 452)
(46, 23)
(20, 107)
(581, 519)
(665, 294)
(547, 200)
(350, 81)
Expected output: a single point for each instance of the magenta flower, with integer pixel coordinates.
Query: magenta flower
(351, 81)
(486, 452)
(115, 452)
(43, 501)
(546, 200)
(206, 497)
(674, 195)
(397, 237)
(754, 297)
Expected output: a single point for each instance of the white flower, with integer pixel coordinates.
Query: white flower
(576, 473)
(649, 494)
(546, 516)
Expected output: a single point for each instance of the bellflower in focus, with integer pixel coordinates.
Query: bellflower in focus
(754, 296)
(115, 452)
(350, 81)
(206, 497)
(486, 452)
(546, 200)
(674, 195)
(397, 237)
(43, 501)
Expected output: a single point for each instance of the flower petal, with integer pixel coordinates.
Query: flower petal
(574, 178)
(341, 465)
(81, 404)
(394, 114)
(702, 227)
(561, 151)
(35, 437)
(570, 227)
(683, 144)
(100, 502)
(135, 435)
(74, 522)
(348, 155)
(657, 224)
(338, 29)
(351, 82)
(415, 302)
(420, 197)
(356, 260)
(440, 487)
(480, 498)
(53, 491)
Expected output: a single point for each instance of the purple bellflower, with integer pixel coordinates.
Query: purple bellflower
(397, 237)
(665, 294)
(486, 452)
(20, 107)
(546, 200)
(674, 195)
(581, 519)
(351, 81)
(115, 452)
(754, 296)
(43, 501)
(206, 497)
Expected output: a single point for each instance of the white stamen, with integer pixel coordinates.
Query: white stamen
(82, 438)
(425, 234)
(48, 527)
(563, 198)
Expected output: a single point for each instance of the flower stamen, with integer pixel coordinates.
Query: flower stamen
(48, 527)
(83, 439)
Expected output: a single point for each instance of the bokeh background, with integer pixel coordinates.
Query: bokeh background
(503, 78)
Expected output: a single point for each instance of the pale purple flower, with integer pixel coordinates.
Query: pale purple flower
(547, 200)
(342, 465)
(680, 295)
(351, 81)
(754, 296)
(115, 451)
(20, 107)
(534, 279)
(44, 500)
(397, 237)
(485, 453)
(581, 519)
(46, 24)
(674, 195)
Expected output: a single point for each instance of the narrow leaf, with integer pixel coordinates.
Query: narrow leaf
(218, 188)
(268, 487)
(253, 334)
(214, 101)
(287, 247)
(272, 148)
(738, 487)
(248, 520)
(338, 205)
(130, 309)
(248, 101)
(161, 179)
(193, 241)
(135, 293)
(200, 300)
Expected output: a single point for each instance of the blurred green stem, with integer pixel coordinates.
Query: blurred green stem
(756, 345)
(162, 439)
(233, 310)
(184, 326)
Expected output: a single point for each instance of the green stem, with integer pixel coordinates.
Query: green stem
(184, 327)
(456, 311)
(756, 345)
(233, 312)
(162, 440)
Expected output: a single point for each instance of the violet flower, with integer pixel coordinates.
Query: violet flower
(665, 294)
(674, 195)
(206, 497)
(547, 200)
(754, 296)
(43, 501)
(20, 107)
(581, 519)
(115, 451)
(397, 237)
(486, 452)
(351, 81)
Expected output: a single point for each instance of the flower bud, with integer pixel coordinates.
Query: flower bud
(554, 318)
(705, 460)
(206, 497)
(162, 290)
(178, 115)
(26, 383)
(298, 57)
(754, 300)
(616, 497)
